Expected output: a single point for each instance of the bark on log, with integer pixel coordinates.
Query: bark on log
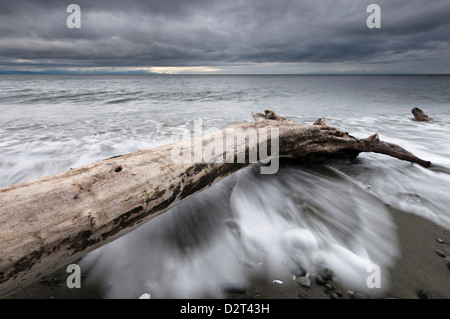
(51, 222)
(420, 116)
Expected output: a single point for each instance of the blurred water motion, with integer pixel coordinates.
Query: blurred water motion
(249, 218)
(330, 215)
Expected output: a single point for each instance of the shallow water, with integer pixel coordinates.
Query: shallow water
(331, 215)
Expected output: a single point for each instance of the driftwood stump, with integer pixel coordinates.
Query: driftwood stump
(51, 222)
(420, 116)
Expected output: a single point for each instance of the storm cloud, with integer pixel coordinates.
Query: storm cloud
(414, 36)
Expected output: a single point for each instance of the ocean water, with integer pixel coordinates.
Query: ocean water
(330, 215)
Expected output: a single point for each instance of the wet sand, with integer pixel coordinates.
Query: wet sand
(418, 267)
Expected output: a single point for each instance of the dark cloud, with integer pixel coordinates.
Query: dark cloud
(205, 32)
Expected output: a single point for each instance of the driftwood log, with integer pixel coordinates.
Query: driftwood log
(419, 115)
(48, 223)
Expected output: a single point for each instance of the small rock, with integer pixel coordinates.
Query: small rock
(233, 288)
(334, 295)
(327, 274)
(327, 291)
(257, 296)
(56, 280)
(303, 296)
(338, 292)
(320, 280)
(440, 253)
(422, 294)
(328, 286)
(439, 240)
(360, 295)
(278, 282)
(304, 281)
(298, 271)
(145, 296)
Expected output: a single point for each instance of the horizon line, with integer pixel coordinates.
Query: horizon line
(9, 72)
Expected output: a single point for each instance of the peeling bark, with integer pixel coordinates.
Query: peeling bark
(50, 222)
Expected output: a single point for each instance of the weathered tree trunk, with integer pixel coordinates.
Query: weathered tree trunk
(50, 222)
(419, 115)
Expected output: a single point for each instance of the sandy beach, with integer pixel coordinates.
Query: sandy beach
(418, 268)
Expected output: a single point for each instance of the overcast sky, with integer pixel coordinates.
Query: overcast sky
(226, 36)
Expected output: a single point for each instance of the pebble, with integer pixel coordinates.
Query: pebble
(233, 288)
(304, 281)
(360, 295)
(320, 280)
(327, 274)
(328, 286)
(257, 296)
(440, 253)
(303, 296)
(298, 271)
(334, 295)
(439, 240)
(145, 296)
(278, 282)
(422, 294)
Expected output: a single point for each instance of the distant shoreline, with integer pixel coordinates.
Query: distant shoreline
(218, 74)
